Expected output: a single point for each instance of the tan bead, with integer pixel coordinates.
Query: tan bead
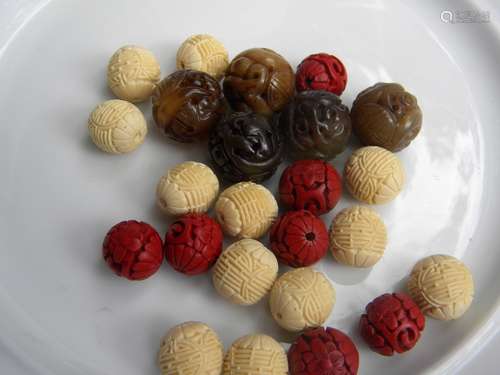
(358, 237)
(189, 187)
(191, 348)
(117, 126)
(245, 272)
(442, 286)
(246, 210)
(374, 175)
(133, 73)
(302, 298)
(255, 354)
(204, 53)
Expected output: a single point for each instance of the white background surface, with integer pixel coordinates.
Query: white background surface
(64, 313)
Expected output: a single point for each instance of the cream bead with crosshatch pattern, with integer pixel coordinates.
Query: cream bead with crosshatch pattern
(133, 73)
(246, 210)
(245, 272)
(255, 354)
(301, 298)
(117, 126)
(204, 53)
(358, 237)
(374, 175)
(442, 286)
(191, 348)
(189, 187)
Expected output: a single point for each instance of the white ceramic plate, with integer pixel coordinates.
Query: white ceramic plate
(63, 312)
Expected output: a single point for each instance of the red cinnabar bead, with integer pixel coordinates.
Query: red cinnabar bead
(193, 243)
(321, 72)
(392, 323)
(133, 249)
(312, 185)
(299, 239)
(321, 351)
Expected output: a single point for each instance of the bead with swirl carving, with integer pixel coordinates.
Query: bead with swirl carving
(386, 115)
(312, 185)
(193, 243)
(321, 71)
(392, 324)
(133, 249)
(187, 104)
(316, 125)
(259, 80)
(245, 147)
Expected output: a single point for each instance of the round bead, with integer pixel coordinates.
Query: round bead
(193, 243)
(204, 53)
(117, 126)
(316, 125)
(374, 175)
(187, 104)
(259, 80)
(321, 71)
(312, 185)
(392, 323)
(191, 348)
(255, 354)
(442, 286)
(133, 249)
(245, 272)
(189, 187)
(302, 298)
(245, 147)
(133, 73)
(321, 351)
(358, 237)
(386, 115)
(246, 210)
(299, 239)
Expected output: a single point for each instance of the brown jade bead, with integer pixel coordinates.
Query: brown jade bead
(259, 80)
(187, 104)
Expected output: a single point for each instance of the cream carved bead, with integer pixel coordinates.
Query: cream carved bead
(245, 272)
(246, 210)
(189, 187)
(442, 286)
(133, 73)
(301, 298)
(191, 348)
(204, 53)
(358, 237)
(117, 126)
(255, 355)
(374, 175)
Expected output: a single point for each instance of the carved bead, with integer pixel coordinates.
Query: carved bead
(245, 272)
(321, 71)
(117, 126)
(246, 210)
(358, 237)
(255, 354)
(204, 53)
(374, 175)
(191, 348)
(302, 298)
(189, 187)
(442, 286)
(133, 73)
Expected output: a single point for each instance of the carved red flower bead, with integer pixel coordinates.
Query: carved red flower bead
(321, 351)
(193, 243)
(392, 323)
(312, 185)
(133, 249)
(299, 239)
